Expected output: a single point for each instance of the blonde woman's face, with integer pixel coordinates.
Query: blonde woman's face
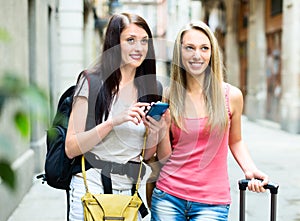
(195, 52)
(134, 45)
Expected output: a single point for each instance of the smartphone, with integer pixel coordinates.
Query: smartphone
(157, 110)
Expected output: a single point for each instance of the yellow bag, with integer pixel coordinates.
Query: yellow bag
(112, 207)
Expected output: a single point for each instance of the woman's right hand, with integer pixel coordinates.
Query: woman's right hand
(157, 131)
(160, 127)
(135, 113)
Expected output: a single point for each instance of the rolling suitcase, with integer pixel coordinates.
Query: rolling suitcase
(243, 184)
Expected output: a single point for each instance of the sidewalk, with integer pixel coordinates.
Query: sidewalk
(44, 203)
(274, 151)
(277, 153)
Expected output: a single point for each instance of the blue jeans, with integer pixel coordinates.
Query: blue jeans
(165, 207)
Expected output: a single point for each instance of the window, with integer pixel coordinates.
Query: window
(276, 7)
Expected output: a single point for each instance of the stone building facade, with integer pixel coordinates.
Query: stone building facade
(48, 44)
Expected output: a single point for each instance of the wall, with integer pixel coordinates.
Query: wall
(50, 42)
(26, 54)
(231, 48)
(255, 99)
(71, 43)
(290, 101)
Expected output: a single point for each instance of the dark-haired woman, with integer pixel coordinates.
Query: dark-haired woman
(127, 86)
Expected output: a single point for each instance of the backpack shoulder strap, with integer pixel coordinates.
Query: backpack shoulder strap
(95, 84)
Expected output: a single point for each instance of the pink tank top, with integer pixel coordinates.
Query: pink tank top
(197, 169)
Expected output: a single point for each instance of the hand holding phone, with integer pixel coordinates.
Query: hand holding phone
(157, 110)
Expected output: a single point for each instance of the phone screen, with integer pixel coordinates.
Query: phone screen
(157, 110)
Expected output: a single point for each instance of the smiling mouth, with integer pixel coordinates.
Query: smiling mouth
(196, 64)
(136, 56)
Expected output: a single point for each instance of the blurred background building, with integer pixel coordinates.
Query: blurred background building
(51, 41)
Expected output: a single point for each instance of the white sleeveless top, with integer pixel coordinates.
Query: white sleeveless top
(122, 144)
(125, 141)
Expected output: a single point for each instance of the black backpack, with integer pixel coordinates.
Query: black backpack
(58, 167)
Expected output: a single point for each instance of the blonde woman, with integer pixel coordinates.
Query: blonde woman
(204, 120)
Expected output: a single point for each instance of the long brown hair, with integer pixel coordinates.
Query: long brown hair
(212, 88)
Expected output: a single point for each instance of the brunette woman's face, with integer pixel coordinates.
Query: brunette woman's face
(134, 45)
(195, 52)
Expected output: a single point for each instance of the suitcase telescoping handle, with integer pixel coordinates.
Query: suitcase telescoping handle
(243, 184)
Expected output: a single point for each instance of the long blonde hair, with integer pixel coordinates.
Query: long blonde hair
(213, 91)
